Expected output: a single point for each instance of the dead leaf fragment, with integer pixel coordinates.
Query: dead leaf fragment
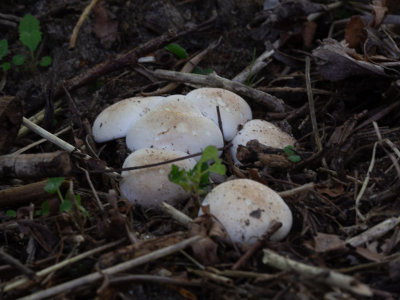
(105, 29)
(379, 11)
(354, 32)
(328, 242)
(339, 62)
(205, 250)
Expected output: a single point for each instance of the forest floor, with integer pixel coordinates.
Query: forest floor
(66, 231)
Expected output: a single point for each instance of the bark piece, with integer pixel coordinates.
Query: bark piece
(35, 165)
(21, 195)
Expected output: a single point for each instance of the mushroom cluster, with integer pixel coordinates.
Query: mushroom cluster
(158, 129)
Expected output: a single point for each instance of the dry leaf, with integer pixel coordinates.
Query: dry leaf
(105, 29)
(354, 33)
(340, 62)
(379, 11)
(328, 242)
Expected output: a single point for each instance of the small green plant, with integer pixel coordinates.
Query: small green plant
(177, 50)
(196, 180)
(251, 77)
(30, 36)
(11, 213)
(291, 154)
(52, 186)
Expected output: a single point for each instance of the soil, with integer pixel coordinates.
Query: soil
(349, 155)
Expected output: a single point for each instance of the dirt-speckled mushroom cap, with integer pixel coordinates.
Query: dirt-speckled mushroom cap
(246, 208)
(265, 132)
(115, 120)
(150, 186)
(178, 103)
(234, 110)
(186, 132)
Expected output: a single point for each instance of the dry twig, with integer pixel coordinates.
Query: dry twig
(318, 274)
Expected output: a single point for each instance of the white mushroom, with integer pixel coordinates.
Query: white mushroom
(265, 132)
(234, 110)
(115, 120)
(148, 187)
(186, 132)
(246, 208)
(178, 103)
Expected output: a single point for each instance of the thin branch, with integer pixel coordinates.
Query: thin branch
(318, 274)
(122, 267)
(213, 80)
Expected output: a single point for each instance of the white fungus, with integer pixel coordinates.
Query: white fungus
(115, 120)
(148, 187)
(164, 129)
(246, 208)
(265, 132)
(234, 110)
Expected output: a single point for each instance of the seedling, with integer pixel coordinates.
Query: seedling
(291, 154)
(53, 186)
(177, 50)
(30, 36)
(196, 180)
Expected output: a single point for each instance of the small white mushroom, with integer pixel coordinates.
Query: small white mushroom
(115, 120)
(186, 132)
(234, 110)
(148, 187)
(246, 208)
(265, 132)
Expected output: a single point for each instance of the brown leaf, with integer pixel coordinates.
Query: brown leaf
(328, 242)
(369, 254)
(340, 62)
(308, 33)
(333, 192)
(105, 29)
(354, 32)
(206, 249)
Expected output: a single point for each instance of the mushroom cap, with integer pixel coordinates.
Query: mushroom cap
(178, 103)
(148, 187)
(233, 109)
(246, 208)
(186, 132)
(265, 132)
(115, 120)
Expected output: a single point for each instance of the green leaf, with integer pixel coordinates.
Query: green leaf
(209, 153)
(18, 59)
(53, 184)
(3, 48)
(45, 61)
(29, 32)
(5, 66)
(45, 208)
(289, 150)
(11, 213)
(179, 176)
(294, 158)
(66, 206)
(81, 208)
(177, 50)
(218, 168)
